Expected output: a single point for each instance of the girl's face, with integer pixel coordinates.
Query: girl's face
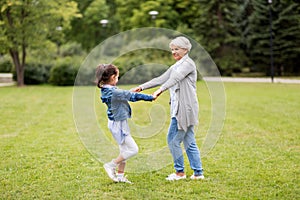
(114, 79)
(178, 52)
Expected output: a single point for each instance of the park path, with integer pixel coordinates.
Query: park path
(252, 80)
(7, 84)
(226, 79)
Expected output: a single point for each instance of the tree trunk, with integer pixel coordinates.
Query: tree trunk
(19, 67)
(14, 52)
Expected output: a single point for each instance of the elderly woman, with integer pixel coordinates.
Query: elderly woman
(180, 79)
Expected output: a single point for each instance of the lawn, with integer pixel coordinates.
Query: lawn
(256, 157)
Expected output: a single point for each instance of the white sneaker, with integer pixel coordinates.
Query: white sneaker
(123, 179)
(111, 171)
(197, 177)
(175, 177)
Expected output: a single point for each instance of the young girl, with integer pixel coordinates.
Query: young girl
(118, 111)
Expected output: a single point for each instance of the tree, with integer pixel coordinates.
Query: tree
(255, 29)
(28, 24)
(88, 30)
(215, 28)
(172, 13)
(286, 29)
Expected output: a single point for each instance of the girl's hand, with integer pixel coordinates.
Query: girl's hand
(154, 97)
(156, 93)
(137, 89)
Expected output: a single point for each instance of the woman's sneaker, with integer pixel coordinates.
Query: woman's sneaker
(193, 177)
(175, 177)
(110, 169)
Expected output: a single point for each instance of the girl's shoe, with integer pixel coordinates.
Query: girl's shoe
(123, 179)
(111, 171)
(175, 177)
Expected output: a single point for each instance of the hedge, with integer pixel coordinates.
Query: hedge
(64, 72)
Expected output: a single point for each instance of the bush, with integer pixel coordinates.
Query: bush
(36, 73)
(6, 65)
(142, 73)
(71, 49)
(231, 60)
(64, 72)
(142, 65)
(85, 76)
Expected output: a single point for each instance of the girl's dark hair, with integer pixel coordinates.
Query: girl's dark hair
(104, 72)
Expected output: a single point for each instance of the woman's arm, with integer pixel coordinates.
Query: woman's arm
(154, 82)
(177, 75)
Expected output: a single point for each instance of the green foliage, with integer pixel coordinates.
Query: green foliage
(142, 74)
(45, 52)
(257, 39)
(88, 30)
(85, 76)
(215, 27)
(135, 71)
(171, 13)
(28, 24)
(39, 63)
(286, 36)
(72, 49)
(242, 27)
(63, 73)
(142, 65)
(231, 60)
(166, 14)
(235, 32)
(255, 27)
(125, 12)
(36, 73)
(6, 65)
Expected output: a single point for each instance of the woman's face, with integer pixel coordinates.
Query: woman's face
(178, 52)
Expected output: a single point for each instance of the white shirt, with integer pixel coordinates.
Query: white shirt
(173, 96)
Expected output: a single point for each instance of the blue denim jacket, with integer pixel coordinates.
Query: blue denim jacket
(116, 100)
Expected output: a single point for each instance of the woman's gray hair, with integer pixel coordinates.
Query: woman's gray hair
(182, 42)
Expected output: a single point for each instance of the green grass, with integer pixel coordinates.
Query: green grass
(256, 157)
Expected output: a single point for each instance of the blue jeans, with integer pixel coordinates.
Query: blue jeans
(175, 138)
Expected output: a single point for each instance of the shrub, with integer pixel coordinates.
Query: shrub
(86, 76)
(71, 49)
(6, 65)
(36, 73)
(64, 72)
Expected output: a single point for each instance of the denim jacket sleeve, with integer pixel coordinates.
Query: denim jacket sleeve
(125, 95)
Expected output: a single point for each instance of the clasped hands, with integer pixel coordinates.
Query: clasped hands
(155, 94)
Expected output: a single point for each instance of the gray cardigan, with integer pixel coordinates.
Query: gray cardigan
(185, 77)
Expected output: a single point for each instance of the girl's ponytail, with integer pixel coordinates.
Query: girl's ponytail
(104, 72)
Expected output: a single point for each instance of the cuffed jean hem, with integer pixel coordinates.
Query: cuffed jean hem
(198, 172)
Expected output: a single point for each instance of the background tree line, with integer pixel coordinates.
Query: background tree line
(236, 33)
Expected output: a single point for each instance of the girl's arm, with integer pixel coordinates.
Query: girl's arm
(125, 95)
(139, 96)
